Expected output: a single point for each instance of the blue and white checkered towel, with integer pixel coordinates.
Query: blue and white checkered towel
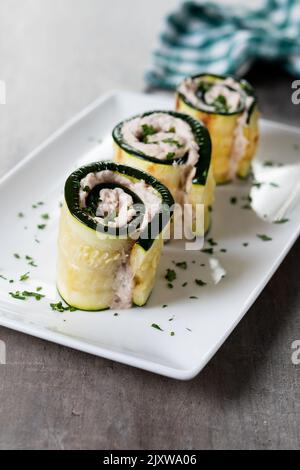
(205, 36)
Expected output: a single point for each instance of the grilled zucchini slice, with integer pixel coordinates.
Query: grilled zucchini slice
(228, 108)
(102, 262)
(175, 149)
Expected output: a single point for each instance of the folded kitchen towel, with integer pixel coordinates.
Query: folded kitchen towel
(205, 36)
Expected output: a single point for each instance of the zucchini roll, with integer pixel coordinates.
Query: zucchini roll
(176, 149)
(110, 236)
(228, 108)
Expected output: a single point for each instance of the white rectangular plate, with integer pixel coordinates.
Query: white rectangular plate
(200, 325)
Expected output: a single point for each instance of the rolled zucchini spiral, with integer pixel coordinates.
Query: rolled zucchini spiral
(176, 149)
(228, 108)
(110, 236)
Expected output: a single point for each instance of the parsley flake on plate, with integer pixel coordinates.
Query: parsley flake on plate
(170, 275)
(25, 295)
(281, 221)
(58, 307)
(263, 237)
(156, 327)
(181, 265)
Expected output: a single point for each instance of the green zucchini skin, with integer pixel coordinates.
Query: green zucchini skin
(72, 187)
(245, 85)
(81, 308)
(200, 133)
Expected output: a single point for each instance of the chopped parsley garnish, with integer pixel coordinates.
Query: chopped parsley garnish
(246, 206)
(17, 295)
(184, 284)
(188, 329)
(281, 221)
(170, 275)
(86, 189)
(21, 215)
(58, 307)
(164, 306)
(181, 265)
(264, 238)
(116, 314)
(170, 155)
(223, 250)
(36, 295)
(173, 142)
(270, 163)
(172, 130)
(193, 297)
(25, 295)
(16, 255)
(245, 244)
(41, 226)
(220, 104)
(147, 130)
(200, 283)
(156, 326)
(212, 242)
(31, 261)
(257, 184)
(45, 216)
(24, 277)
(208, 251)
(170, 285)
(3, 277)
(233, 200)
(274, 185)
(38, 289)
(172, 333)
(171, 319)
(35, 206)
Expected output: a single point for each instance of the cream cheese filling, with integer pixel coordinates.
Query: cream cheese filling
(228, 88)
(162, 136)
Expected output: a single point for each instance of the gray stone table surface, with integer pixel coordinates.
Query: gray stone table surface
(56, 56)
